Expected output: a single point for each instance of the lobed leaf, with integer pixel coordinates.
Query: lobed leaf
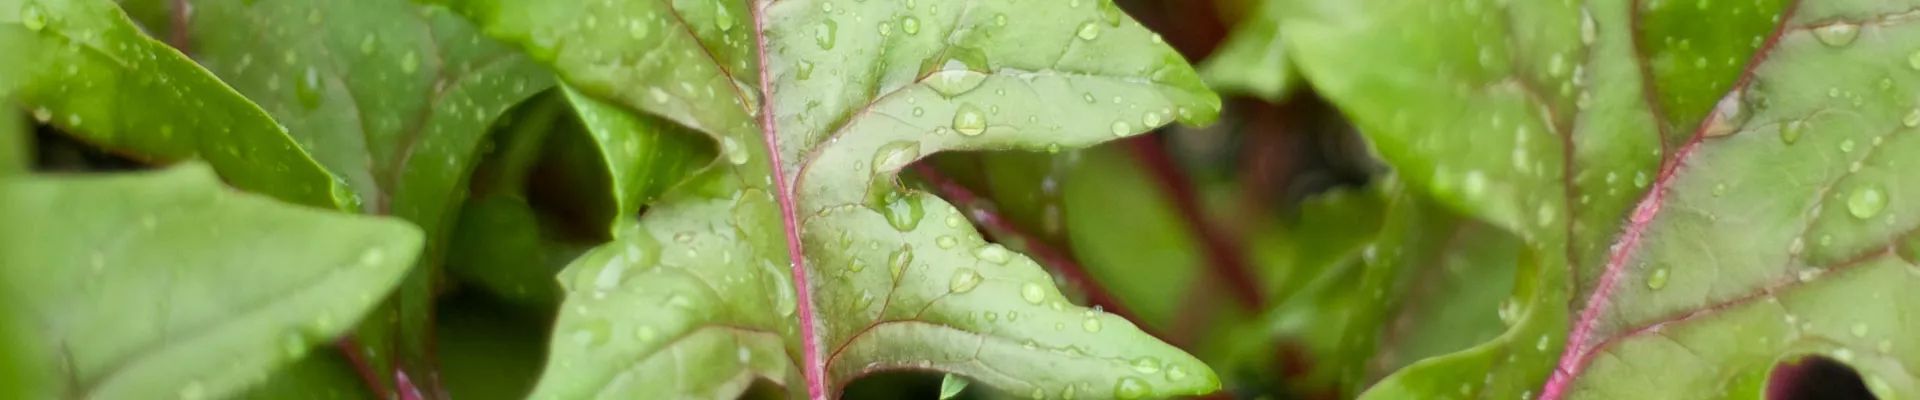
(800, 257)
(1702, 195)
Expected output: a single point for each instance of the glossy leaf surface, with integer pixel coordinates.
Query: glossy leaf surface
(815, 106)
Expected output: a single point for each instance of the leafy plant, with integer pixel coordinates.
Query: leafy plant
(957, 199)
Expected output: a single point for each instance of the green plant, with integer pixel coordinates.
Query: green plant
(652, 199)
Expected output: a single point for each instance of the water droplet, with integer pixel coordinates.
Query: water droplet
(367, 44)
(1000, 19)
(1120, 128)
(946, 242)
(1130, 388)
(969, 120)
(1033, 293)
(898, 260)
(1088, 31)
(1913, 60)
(910, 25)
(32, 17)
(1859, 329)
(1091, 324)
(591, 333)
(1146, 365)
(1846, 146)
(865, 300)
(954, 220)
(1110, 13)
(372, 257)
(410, 62)
(736, 153)
(1176, 373)
(308, 88)
(993, 253)
(1912, 119)
(805, 70)
(1640, 179)
(721, 18)
(894, 156)
(1866, 201)
(637, 29)
(826, 33)
(964, 280)
(1150, 120)
(645, 334)
(1588, 32)
(954, 78)
(904, 212)
(1719, 189)
(1837, 34)
(1791, 132)
(1658, 279)
(886, 29)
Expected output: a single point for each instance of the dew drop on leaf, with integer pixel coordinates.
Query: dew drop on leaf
(897, 261)
(721, 18)
(1912, 119)
(1091, 324)
(591, 333)
(954, 220)
(1150, 120)
(32, 18)
(1846, 146)
(964, 280)
(1088, 31)
(367, 44)
(294, 346)
(1658, 279)
(1120, 128)
(1790, 133)
(1176, 373)
(1837, 34)
(1110, 12)
(993, 253)
(969, 121)
(1146, 365)
(896, 155)
(827, 33)
(1033, 293)
(645, 334)
(910, 25)
(904, 212)
(1866, 201)
(1000, 19)
(1130, 388)
(1913, 59)
(954, 78)
(308, 88)
(946, 242)
(736, 153)
(410, 62)
(886, 29)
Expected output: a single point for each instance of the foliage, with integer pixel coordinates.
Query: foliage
(957, 199)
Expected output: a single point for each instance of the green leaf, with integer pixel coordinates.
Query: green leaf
(1253, 60)
(1710, 198)
(325, 374)
(97, 76)
(952, 385)
(1127, 233)
(393, 97)
(644, 155)
(171, 284)
(815, 107)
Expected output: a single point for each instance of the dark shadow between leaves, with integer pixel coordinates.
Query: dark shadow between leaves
(1815, 377)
